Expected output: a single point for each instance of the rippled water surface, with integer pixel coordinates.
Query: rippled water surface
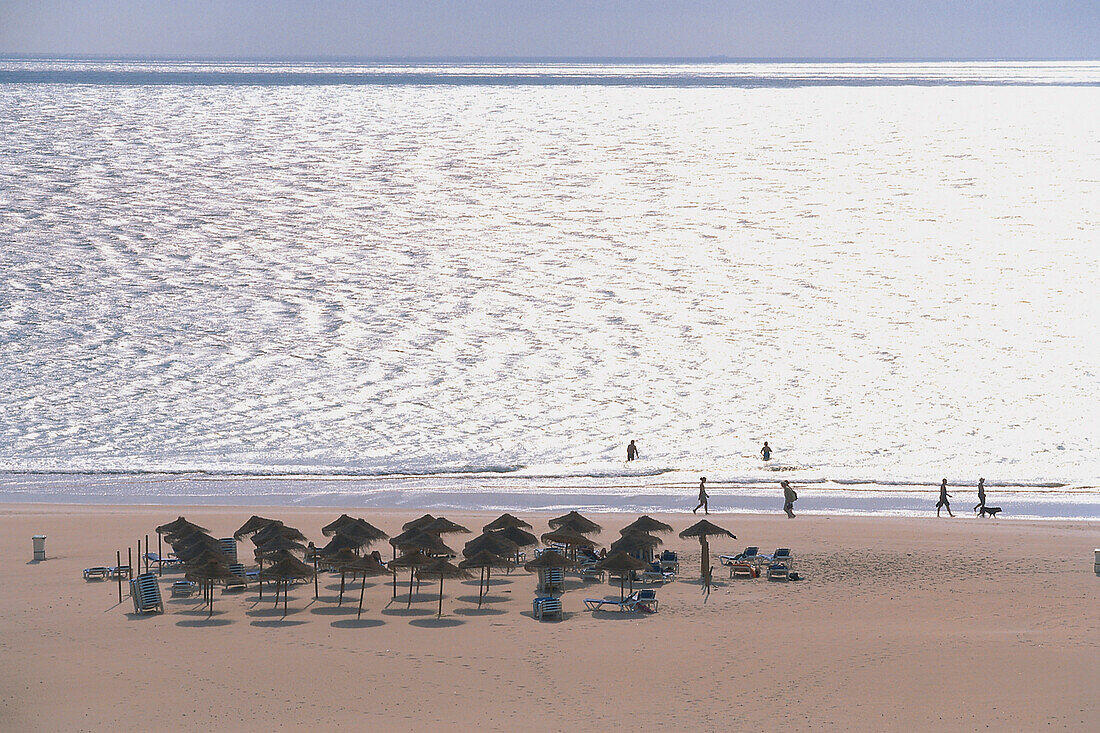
(884, 280)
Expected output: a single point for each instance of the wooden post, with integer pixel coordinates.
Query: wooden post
(146, 553)
(130, 560)
(118, 564)
(160, 554)
(440, 614)
(704, 552)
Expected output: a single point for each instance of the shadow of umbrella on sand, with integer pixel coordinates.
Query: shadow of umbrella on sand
(440, 568)
(624, 565)
(283, 571)
(485, 561)
(704, 529)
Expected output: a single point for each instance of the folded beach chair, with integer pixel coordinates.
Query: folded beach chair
(644, 600)
(750, 555)
(547, 606)
(184, 589)
(97, 573)
(146, 594)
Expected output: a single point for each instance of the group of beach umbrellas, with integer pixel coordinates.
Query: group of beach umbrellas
(422, 551)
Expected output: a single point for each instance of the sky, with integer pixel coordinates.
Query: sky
(1011, 29)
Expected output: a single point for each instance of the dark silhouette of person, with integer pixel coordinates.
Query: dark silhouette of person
(631, 451)
(943, 502)
(789, 498)
(707, 580)
(981, 496)
(702, 496)
(766, 451)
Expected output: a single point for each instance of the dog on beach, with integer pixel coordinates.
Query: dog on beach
(991, 511)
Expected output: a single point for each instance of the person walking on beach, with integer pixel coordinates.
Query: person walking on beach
(981, 496)
(943, 503)
(702, 496)
(631, 451)
(789, 498)
(766, 451)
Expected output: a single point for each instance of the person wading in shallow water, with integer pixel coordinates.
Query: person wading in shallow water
(766, 451)
(702, 496)
(943, 502)
(789, 498)
(632, 451)
(981, 496)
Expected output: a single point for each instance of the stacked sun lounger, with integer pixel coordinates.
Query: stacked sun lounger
(547, 606)
(146, 594)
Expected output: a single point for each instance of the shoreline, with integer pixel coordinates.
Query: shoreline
(891, 613)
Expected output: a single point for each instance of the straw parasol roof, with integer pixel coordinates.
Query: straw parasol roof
(254, 524)
(635, 542)
(646, 524)
(417, 523)
(493, 542)
(340, 558)
(194, 545)
(704, 529)
(624, 565)
(429, 543)
(442, 525)
(574, 520)
(568, 536)
(354, 526)
(205, 569)
(441, 569)
(274, 529)
(179, 525)
(287, 569)
(549, 559)
(518, 536)
(338, 543)
(485, 561)
(277, 544)
(410, 560)
(368, 565)
(335, 526)
(504, 521)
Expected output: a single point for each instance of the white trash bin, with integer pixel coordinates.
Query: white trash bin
(39, 541)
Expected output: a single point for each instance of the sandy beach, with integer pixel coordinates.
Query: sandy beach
(898, 624)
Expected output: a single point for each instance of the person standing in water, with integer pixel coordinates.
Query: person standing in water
(943, 500)
(702, 496)
(766, 451)
(632, 451)
(981, 496)
(789, 498)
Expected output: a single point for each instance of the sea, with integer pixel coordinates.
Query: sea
(469, 285)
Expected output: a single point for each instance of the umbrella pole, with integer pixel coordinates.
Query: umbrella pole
(341, 601)
(261, 578)
(440, 614)
(314, 576)
(395, 585)
(160, 554)
(211, 612)
(286, 586)
(480, 583)
(411, 571)
(362, 590)
(704, 551)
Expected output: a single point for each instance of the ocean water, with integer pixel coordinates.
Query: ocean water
(474, 283)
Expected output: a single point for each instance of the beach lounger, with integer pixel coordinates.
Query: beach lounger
(655, 574)
(229, 548)
(589, 571)
(670, 562)
(184, 589)
(750, 555)
(97, 573)
(743, 569)
(644, 600)
(146, 594)
(551, 579)
(779, 571)
(239, 580)
(547, 606)
(120, 571)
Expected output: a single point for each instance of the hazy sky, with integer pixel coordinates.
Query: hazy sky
(738, 28)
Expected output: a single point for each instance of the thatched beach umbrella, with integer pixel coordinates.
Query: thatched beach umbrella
(624, 565)
(429, 543)
(704, 529)
(440, 568)
(417, 523)
(412, 561)
(575, 521)
(191, 546)
(485, 561)
(521, 537)
(205, 569)
(493, 542)
(505, 521)
(276, 529)
(285, 570)
(569, 537)
(549, 560)
(340, 559)
(277, 544)
(354, 527)
(647, 524)
(253, 525)
(635, 544)
(442, 525)
(180, 525)
(368, 565)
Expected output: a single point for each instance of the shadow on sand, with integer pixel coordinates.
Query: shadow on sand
(408, 612)
(363, 623)
(205, 622)
(436, 623)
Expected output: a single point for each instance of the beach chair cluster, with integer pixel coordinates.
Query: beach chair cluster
(643, 600)
(752, 564)
(146, 594)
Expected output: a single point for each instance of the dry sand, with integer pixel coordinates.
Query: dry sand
(899, 624)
